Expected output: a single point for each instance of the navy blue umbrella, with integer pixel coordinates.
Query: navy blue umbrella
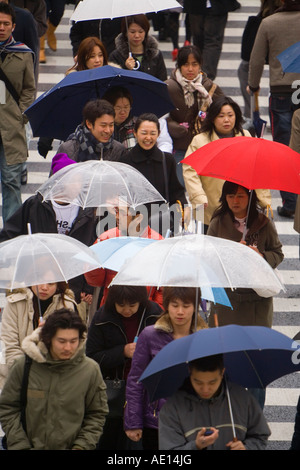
(290, 59)
(254, 356)
(57, 112)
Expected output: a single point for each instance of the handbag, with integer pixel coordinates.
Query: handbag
(115, 390)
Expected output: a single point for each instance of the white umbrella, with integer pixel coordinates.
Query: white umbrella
(97, 9)
(42, 258)
(100, 183)
(199, 261)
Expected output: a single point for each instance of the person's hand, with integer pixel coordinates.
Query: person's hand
(134, 434)
(86, 298)
(235, 445)
(203, 441)
(129, 349)
(254, 248)
(130, 63)
(187, 215)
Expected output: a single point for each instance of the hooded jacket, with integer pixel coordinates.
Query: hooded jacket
(152, 62)
(66, 401)
(184, 414)
(139, 411)
(17, 323)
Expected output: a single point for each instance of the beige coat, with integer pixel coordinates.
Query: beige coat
(18, 67)
(17, 323)
(206, 190)
(295, 145)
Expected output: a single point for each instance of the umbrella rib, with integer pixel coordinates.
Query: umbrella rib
(225, 270)
(14, 275)
(256, 373)
(49, 251)
(124, 181)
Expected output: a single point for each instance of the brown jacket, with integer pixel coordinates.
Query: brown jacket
(295, 145)
(182, 113)
(248, 308)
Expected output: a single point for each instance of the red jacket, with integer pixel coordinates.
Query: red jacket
(103, 277)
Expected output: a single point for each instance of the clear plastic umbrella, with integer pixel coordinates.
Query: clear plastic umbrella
(40, 258)
(199, 260)
(100, 183)
(94, 9)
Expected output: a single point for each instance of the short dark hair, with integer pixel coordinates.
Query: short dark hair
(215, 109)
(65, 319)
(116, 92)
(208, 363)
(186, 294)
(8, 10)
(146, 117)
(128, 294)
(141, 20)
(96, 108)
(185, 51)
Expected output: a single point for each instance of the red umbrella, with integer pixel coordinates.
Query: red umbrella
(250, 162)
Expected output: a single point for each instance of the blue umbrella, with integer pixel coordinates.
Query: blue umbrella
(113, 253)
(290, 58)
(57, 112)
(254, 356)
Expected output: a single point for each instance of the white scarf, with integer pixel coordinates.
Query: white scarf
(190, 86)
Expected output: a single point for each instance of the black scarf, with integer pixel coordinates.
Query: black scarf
(90, 147)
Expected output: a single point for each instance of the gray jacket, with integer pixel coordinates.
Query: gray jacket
(184, 414)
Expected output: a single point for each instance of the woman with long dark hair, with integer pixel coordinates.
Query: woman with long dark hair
(235, 220)
(111, 343)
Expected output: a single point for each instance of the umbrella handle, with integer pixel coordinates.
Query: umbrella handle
(256, 101)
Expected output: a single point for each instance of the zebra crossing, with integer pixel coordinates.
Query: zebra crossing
(282, 395)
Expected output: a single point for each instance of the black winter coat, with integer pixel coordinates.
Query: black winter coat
(106, 339)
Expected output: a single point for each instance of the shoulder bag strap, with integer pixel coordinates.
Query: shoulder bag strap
(23, 400)
(9, 86)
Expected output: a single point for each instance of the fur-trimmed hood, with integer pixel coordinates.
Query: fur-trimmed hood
(164, 323)
(37, 350)
(151, 46)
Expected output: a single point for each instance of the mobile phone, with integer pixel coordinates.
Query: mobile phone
(208, 432)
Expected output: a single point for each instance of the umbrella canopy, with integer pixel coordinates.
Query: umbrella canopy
(254, 356)
(99, 183)
(93, 9)
(113, 253)
(250, 162)
(196, 261)
(290, 58)
(40, 258)
(57, 112)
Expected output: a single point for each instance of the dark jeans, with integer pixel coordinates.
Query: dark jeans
(281, 109)
(55, 11)
(150, 439)
(208, 34)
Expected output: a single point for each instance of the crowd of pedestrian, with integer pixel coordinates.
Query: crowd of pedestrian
(77, 349)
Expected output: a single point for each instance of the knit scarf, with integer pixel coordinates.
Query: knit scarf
(190, 86)
(90, 147)
(10, 45)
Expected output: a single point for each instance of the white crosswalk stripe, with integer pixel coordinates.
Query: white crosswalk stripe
(282, 395)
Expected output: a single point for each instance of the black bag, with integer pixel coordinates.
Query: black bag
(23, 398)
(115, 389)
